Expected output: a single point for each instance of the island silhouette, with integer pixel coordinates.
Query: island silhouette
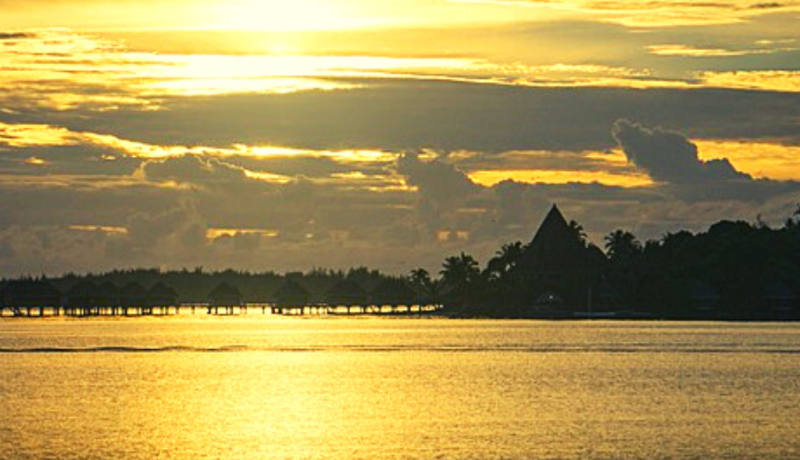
(736, 270)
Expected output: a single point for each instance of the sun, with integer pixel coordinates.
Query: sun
(284, 16)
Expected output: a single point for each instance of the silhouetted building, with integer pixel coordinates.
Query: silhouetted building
(161, 295)
(346, 292)
(110, 294)
(604, 298)
(30, 293)
(393, 291)
(291, 294)
(225, 295)
(133, 294)
(554, 267)
(85, 294)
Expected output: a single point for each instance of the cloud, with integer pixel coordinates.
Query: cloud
(765, 80)
(14, 35)
(699, 52)
(102, 164)
(669, 156)
(194, 170)
(660, 13)
(147, 230)
(451, 116)
(672, 159)
(442, 188)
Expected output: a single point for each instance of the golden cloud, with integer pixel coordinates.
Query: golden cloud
(656, 13)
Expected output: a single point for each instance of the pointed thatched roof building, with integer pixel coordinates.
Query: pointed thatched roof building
(30, 293)
(346, 292)
(225, 295)
(556, 265)
(291, 294)
(554, 249)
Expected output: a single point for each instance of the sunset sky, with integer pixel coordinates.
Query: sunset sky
(258, 134)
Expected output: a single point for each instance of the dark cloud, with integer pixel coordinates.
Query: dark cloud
(146, 229)
(69, 201)
(448, 117)
(669, 156)
(15, 35)
(442, 188)
(195, 170)
(84, 159)
(672, 159)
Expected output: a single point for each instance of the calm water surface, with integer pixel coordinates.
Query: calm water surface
(249, 388)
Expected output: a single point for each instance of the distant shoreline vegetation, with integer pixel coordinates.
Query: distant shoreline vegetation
(734, 271)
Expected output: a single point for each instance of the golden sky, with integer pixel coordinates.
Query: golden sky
(267, 134)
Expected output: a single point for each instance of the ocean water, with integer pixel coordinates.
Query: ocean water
(346, 388)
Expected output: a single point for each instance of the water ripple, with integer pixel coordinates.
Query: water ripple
(660, 349)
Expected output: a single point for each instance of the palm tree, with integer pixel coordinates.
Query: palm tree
(504, 260)
(419, 277)
(793, 222)
(622, 245)
(421, 280)
(458, 271)
(578, 232)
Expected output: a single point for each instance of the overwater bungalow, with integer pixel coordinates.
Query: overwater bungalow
(85, 294)
(346, 292)
(291, 297)
(226, 295)
(29, 293)
(393, 292)
(110, 294)
(161, 295)
(133, 294)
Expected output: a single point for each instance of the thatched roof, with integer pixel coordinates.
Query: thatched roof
(133, 292)
(291, 293)
(110, 290)
(554, 248)
(83, 289)
(346, 291)
(29, 292)
(161, 291)
(393, 291)
(226, 293)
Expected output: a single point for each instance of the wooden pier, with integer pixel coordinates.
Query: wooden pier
(217, 310)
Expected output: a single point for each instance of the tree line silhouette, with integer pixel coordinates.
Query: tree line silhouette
(734, 270)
